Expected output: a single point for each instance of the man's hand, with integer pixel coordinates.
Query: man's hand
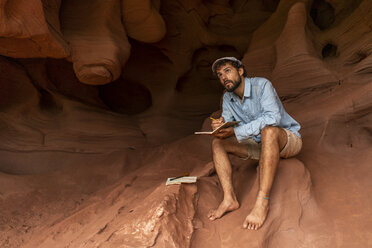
(217, 122)
(225, 133)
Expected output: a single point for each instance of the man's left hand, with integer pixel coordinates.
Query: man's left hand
(225, 133)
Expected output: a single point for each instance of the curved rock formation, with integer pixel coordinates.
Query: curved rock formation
(294, 220)
(97, 42)
(32, 25)
(85, 165)
(97, 38)
(142, 21)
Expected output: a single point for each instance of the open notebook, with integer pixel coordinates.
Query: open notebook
(225, 125)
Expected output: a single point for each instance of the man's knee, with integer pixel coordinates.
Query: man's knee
(274, 134)
(220, 144)
(216, 142)
(270, 130)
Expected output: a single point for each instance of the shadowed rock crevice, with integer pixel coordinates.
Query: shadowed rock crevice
(329, 50)
(343, 9)
(48, 103)
(202, 60)
(271, 5)
(62, 79)
(322, 13)
(16, 88)
(126, 97)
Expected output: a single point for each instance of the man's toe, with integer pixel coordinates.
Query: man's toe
(210, 214)
(245, 223)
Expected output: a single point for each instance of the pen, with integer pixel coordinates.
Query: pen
(212, 118)
(184, 175)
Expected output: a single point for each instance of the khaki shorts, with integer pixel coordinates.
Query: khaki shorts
(292, 148)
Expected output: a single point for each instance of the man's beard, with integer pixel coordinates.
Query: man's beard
(235, 84)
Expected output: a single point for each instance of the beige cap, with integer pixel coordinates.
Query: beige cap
(225, 58)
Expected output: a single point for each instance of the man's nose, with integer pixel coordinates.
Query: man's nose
(223, 78)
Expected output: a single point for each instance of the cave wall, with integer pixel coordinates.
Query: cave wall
(99, 100)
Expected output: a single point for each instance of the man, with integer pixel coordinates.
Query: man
(265, 132)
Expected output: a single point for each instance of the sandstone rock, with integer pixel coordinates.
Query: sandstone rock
(97, 38)
(143, 21)
(76, 173)
(31, 29)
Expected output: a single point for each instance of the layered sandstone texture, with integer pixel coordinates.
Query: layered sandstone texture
(99, 100)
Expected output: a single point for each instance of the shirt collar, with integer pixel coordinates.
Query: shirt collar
(247, 90)
(247, 87)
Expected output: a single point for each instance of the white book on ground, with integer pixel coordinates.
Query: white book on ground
(172, 180)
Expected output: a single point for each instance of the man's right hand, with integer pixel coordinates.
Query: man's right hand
(217, 122)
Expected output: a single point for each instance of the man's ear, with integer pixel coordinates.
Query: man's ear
(241, 71)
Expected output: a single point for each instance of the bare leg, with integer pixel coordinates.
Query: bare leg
(221, 147)
(273, 140)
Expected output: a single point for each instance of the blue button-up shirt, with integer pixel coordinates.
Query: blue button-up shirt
(259, 107)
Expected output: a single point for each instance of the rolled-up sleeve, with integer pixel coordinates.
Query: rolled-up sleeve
(270, 114)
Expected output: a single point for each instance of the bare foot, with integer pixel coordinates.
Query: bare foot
(224, 207)
(258, 214)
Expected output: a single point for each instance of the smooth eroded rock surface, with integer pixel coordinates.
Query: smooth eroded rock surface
(83, 165)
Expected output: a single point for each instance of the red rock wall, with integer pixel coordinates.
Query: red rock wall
(99, 100)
